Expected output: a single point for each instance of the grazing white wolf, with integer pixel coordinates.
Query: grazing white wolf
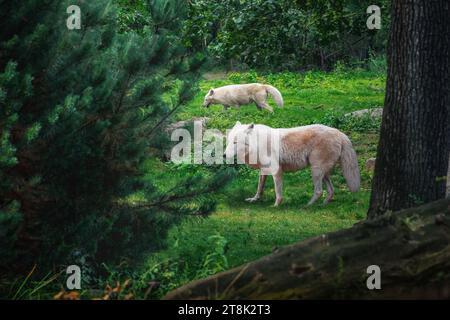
(293, 149)
(240, 94)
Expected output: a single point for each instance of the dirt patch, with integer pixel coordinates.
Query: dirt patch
(215, 75)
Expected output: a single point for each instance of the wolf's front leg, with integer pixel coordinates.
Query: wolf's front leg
(278, 182)
(261, 184)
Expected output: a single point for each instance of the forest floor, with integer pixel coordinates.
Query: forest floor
(238, 231)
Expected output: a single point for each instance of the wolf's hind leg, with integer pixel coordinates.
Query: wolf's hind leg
(261, 100)
(317, 176)
(261, 184)
(330, 189)
(266, 106)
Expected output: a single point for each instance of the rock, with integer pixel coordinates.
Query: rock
(185, 123)
(219, 75)
(372, 112)
(214, 135)
(370, 164)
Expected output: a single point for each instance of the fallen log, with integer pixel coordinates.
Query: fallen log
(411, 248)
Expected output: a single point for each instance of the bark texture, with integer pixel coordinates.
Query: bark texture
(412, 248)
(414, 147)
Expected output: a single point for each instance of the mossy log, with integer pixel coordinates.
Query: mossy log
(411, 247)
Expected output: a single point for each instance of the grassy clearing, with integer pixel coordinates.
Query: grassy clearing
(238, 231)
(308, 98)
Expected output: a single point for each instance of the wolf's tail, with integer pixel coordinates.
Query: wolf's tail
(349, 165)
(276, 95)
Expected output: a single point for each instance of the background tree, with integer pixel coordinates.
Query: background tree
(269, 34)
(413, 152)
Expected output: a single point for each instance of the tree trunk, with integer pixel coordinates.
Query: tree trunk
(414, 143)
(411, 247)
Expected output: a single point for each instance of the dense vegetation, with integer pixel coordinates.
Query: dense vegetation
(275, 35)
(84, 178)
(286, 34)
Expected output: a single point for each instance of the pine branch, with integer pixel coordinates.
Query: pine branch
(172, 198)
(122, 95)
(163, 119)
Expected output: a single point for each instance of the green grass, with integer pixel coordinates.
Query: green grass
(239, 232)
(308, 98)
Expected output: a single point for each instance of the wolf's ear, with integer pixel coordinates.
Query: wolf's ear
(211, 92)
(238, 123)
(249, 128)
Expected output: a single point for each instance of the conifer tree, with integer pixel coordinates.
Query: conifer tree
(81, 113)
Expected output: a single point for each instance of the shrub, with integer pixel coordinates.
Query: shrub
(348, 123)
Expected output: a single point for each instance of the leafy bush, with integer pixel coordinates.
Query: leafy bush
(348, 123)
(214, 261)
(279, 80)
(285, 34)
(378, 64)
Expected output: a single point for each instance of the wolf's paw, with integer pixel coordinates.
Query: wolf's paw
(277, 203)
(254, 199)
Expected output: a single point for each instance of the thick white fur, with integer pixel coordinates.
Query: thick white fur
(241, 94)
(317, 146)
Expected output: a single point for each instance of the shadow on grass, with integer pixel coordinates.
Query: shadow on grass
(297, 190)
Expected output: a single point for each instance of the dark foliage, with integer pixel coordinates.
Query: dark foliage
(80, 113)
(285, 34)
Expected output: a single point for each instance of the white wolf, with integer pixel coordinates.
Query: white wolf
(240, 94)
(318, 146)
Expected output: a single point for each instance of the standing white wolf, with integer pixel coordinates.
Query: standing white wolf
(240, 94)
(293, 149)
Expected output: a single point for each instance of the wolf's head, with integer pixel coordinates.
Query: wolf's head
(209, 98)
(237, 140)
